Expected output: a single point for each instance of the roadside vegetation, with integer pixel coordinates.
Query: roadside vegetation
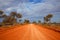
(11, 20)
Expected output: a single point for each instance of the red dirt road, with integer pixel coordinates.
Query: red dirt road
(29, 32)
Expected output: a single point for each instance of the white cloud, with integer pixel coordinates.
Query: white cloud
(37, 9)
(5, 2)
(31, 8)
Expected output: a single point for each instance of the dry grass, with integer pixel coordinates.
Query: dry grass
(55, 27)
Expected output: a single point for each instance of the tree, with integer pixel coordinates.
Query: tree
(19, 15)
(44, 19)
(11, 19)
(4, 15)
(26, 21)
(39, 21)
(14, 16)
(34, 22)
(7, 20)
(20, 20)
(1, 13)
(48, 18)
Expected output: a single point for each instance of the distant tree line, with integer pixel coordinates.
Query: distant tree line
(12, 18)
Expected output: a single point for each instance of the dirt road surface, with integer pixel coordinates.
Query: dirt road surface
(29, 32)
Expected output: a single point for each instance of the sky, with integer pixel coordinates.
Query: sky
(33, 10)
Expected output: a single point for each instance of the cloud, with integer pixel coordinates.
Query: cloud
(5, 3)
(10, 3)
(51, 1)
(36, 11)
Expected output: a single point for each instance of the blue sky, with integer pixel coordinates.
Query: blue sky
(33, 10)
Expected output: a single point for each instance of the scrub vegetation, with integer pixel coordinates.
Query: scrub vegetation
(11, 21)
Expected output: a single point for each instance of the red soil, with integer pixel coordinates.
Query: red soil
(28, 32)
